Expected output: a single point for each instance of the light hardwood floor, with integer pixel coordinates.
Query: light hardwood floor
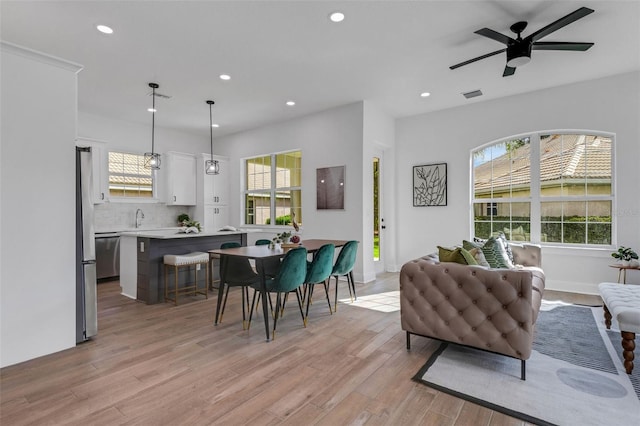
(167, 365)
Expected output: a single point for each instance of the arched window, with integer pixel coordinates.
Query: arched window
(548, 187)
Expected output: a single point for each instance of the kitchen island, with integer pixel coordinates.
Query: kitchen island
(142, 253)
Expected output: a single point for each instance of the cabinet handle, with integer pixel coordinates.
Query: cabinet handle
(174, 198)
(102, 195)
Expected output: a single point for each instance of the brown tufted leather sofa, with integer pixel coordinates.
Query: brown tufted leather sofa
(490, 309)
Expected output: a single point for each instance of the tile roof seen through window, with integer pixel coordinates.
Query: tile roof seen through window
(562, 158)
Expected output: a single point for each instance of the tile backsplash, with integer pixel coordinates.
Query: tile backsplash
(121, 216)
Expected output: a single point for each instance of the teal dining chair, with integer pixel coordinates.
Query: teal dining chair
(318, 272)
(291, 275)
(344, 267)
(235, 272)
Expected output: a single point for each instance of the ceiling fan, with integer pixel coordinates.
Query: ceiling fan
(519, 49)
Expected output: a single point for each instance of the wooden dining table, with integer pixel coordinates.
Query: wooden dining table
(259, 254)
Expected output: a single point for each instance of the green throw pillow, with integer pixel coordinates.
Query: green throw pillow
(468, 245)
(495, 252)
(457, 255)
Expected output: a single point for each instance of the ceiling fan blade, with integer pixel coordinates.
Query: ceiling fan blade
(453, 67)
(561, 45)
(494, 35)
(554, 26)
(508, 71)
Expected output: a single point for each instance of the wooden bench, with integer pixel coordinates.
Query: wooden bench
(623, 302)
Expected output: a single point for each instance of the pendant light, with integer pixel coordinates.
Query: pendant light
(211, 167)
(152, 159)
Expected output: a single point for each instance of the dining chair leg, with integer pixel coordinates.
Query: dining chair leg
(299, 297)
(224, 303)
(219, 303)
(275, 319)
(335, 302)
(305, 319)
(253, 304)
(353, 285)
(284, 302)
(325, 283)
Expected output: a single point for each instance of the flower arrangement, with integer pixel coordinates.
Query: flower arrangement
(280, 238)
(284, 239)
(625, 254)
(185, 221)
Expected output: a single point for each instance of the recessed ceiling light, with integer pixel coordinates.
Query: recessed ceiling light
(291, 103)
(225, 77)
(425, 94)
(104, 29)
(215, 125)
(152, 110)
(337, 17)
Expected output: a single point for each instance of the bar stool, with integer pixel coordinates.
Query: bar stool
(178, 261)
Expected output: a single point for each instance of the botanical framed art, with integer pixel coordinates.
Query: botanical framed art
(430, 185)
(330, 188)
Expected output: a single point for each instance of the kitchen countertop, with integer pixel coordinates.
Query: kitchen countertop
(175, 233)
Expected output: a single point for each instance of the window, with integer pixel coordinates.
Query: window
(273, 194)
(545, 187)
(128, 178)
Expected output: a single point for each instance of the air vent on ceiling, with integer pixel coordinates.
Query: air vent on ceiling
(472, 94)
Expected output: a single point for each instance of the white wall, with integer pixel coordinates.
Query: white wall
(37, 234)
(119, 135)
(329, 138)
(610, 104)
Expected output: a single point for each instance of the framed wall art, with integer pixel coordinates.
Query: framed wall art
(330, 188)
(430, 185)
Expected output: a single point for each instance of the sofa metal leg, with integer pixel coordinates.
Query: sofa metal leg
(408, 341)
(523, 369)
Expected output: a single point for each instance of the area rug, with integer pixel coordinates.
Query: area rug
(575, 375)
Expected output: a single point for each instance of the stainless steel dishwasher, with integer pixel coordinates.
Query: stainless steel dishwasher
(107, 255)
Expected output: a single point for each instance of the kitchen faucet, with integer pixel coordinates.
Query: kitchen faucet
(139, 217)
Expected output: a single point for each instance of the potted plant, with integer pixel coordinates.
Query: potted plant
(182, 218)
(625, 255)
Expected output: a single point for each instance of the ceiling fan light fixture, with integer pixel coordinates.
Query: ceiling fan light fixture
(518, 61)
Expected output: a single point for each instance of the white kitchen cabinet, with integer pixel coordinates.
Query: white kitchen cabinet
(180, 178)
(212, 194)
(215, 217)
(100, 168)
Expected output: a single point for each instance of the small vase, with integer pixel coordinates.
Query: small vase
(624, 263)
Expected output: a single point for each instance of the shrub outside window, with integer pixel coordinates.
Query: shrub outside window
(273, 193)
(551, 188)
(128, 178)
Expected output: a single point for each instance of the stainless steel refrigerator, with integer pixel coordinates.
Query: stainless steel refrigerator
(86, 289)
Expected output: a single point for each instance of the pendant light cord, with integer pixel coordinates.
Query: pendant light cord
(211, 126)
(153, 118)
